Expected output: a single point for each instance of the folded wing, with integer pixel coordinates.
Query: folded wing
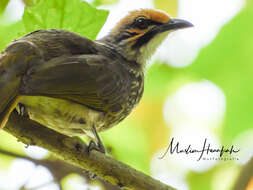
(91, 80)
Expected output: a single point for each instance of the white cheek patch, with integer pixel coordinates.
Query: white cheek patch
(149, 49)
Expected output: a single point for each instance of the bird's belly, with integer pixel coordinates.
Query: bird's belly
(61, 115)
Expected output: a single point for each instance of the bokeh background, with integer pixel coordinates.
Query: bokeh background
(198, 86)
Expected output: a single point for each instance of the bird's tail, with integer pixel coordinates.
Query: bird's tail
(9, 83)
(14, 62)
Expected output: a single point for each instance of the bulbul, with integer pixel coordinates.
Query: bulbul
(77, 86)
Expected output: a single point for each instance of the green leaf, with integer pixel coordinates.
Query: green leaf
(76, 16)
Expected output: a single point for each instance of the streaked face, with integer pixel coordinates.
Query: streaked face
(133, 27)
(145, 29)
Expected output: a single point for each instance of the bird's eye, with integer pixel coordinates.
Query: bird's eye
(141, 23)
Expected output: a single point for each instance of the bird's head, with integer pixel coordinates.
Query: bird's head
(137, 35)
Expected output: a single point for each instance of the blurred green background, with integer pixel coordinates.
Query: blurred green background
(198, 86)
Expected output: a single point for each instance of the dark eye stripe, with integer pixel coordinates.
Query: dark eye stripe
(144, 39)
(131, 34)
(128, 34)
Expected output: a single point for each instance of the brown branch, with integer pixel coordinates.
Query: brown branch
(75, 152)
(245, 176)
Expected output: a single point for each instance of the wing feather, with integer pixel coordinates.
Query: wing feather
(91, 80)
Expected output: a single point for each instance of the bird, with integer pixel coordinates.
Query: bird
(77, 86)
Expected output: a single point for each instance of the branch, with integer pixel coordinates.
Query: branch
(245, 176)
(75, 152)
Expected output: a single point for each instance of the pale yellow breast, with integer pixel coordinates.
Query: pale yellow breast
(61, 115)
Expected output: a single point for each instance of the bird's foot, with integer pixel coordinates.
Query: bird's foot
(22, 111)
(93, 146)
(96, 146)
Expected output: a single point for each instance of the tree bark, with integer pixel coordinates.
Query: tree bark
(75, 152)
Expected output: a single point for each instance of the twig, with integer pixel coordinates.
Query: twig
(75, 152)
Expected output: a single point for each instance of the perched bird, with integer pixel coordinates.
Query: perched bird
(77, 86)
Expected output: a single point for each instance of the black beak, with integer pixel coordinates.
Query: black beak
(175, 24)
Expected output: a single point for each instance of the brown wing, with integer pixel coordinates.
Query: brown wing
(42, 50)
(91, 80)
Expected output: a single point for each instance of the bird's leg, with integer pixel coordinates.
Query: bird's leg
(99, 146)
(96, 146)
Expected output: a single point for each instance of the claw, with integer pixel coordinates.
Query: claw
(93, 146)
(21, 109)
(96, 146)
